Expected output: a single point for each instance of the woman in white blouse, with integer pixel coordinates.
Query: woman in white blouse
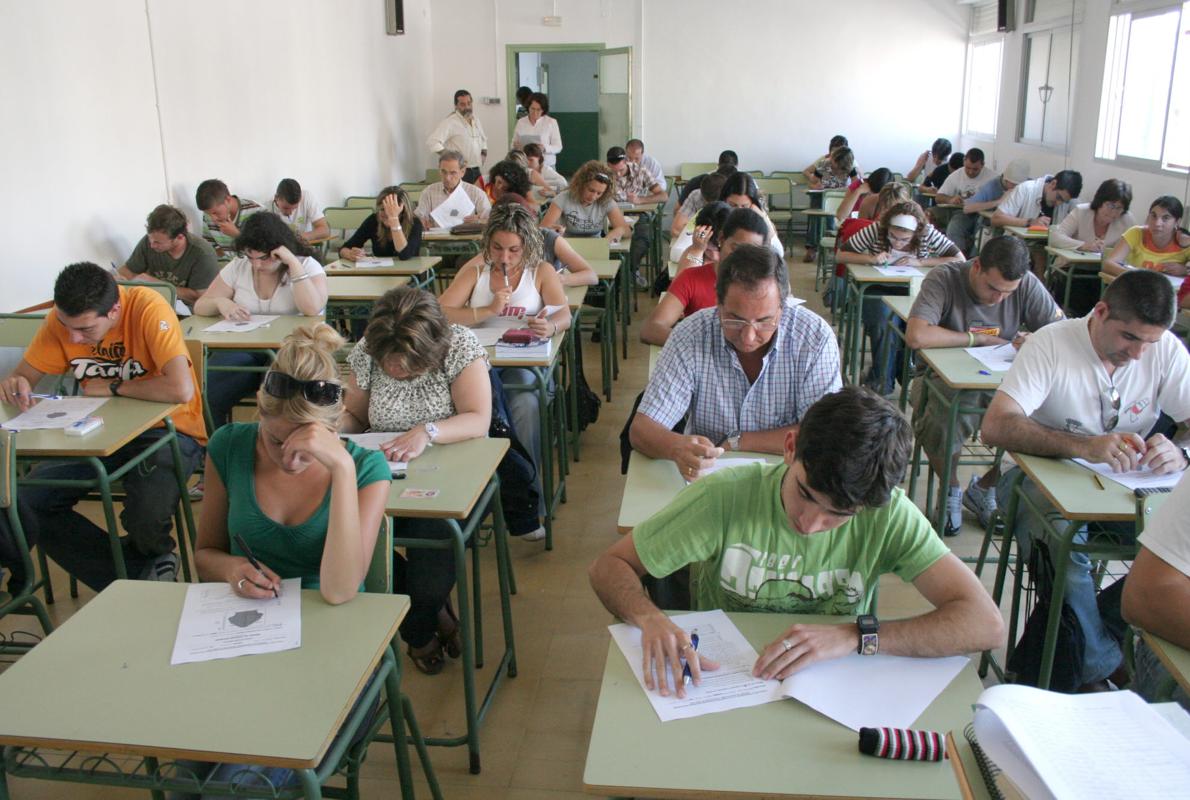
(274, 275)
(425, 380)
(1095, 227)
(541, 126)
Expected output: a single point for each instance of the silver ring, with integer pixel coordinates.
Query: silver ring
(785, 643)
(240, 584)
(685, 647)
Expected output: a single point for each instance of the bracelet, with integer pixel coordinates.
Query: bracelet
(970, 339)
(298, 278)
(474, 314)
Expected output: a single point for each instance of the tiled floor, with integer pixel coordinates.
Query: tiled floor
(534, 741)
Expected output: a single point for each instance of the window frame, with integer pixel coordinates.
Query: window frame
(973, 42)
(1024, 92)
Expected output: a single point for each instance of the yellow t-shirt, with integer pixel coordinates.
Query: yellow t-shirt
(146, 337)
(1144, 254)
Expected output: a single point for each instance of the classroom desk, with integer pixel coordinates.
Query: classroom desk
(1176, 659)
(1021, 232)
(900, 306)
(19, 331)
(350, 297)
(575, 297)
(464, 473)
(266, 337)
(1070, 271)
(102, 684)
(615, 300)
(124, 419)
(960, 373)
(859, 279)
(413, 266)
(652, 483)
(1076, 494)
(780, 749)
(552, 424)
(463, 246)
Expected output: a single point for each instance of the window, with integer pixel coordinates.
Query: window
(983, 88)
(1144, 111)
(1048, 83)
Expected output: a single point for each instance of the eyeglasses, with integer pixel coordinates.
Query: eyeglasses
(320, 393)
(738, 325)
(1110, 412)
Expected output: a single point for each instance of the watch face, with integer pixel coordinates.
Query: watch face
(869, 644)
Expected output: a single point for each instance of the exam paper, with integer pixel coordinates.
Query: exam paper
(453, 209)
(181, 309)
(241, 326)
(373, 262)
(372, 441)
(996, 357)
(892, 271)
(730, 686)
(218, 623)
(1134, 479)
(54, 414)
(877, 691)
(513, 317)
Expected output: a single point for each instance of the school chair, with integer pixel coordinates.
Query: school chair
(433, 175)
(342, 222)
(603, 319)
(166, 290)
(689, 169)
(822, 219)
(778, 191)
(359, 201)
(22, 598)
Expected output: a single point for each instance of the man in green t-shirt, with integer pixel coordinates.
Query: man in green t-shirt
(170, 253)
(810, 536)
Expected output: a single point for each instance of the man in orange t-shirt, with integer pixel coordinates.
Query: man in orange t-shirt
(116, 341)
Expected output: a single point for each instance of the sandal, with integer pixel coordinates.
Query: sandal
(449, 639)
(431, 662)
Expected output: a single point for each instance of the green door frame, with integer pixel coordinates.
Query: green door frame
(510, 72)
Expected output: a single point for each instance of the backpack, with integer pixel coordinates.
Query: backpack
(518, 476)
(1024, 666)
(588, 402)
(625, 436)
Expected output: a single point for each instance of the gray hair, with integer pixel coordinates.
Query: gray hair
(514, 218)
(451, 155)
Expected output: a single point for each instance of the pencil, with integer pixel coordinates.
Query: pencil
(1098, 482)
(252, 559)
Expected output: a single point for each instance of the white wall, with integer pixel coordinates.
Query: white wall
(1088, 84)
(250, 92)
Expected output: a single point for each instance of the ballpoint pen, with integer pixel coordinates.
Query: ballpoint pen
(686, 676)
(251, 558)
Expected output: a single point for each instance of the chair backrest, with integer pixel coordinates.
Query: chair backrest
(166, 290)
(596, 248)
(691, 168)
(433, 174)
(358, 201)
(795, 177)
(345, 219)
(195, 351)
(379, 579)
(8, 467)
(831, 200)
(777, 190)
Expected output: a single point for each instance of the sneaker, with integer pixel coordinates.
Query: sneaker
(980, 501)
(954, 512)
(196, 491)
(810, 256)
(534, 535)
(641, 281)
(163, 568)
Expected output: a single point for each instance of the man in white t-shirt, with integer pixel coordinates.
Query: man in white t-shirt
(963, 183)
(299, 210)
(1041, 201)
(1095, 388)
(1157, 591)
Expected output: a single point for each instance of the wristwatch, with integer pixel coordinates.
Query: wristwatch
(431, 431)
(114, 387)
(1185, 451)
(869, 637)
(733, 440)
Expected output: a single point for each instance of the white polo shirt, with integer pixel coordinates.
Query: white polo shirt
(1168, 534)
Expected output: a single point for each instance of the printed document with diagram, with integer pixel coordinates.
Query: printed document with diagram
(218, 623)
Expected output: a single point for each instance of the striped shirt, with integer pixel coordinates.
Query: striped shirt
(218, 239)
(699, 373)
(933, 243)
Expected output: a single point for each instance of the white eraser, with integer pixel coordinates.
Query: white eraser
(84, 426)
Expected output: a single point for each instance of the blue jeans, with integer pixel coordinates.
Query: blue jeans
(1102, 654)
(1151, 674)
(875, 316)
(225, 389)
(82, 547)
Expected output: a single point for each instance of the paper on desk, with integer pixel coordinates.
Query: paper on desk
(877, 691)
(728, 463)
(1134, 479)
(54, 414)
(181, 309)
(218, 623)
(513, 317)
(996, 357)
(892, 271)
(730, 686)
(453, 209)
(373, 262)
(241, 326)
(372, 441)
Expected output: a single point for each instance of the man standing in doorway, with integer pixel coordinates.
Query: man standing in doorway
(460, 131)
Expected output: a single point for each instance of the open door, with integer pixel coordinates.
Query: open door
(615, 98)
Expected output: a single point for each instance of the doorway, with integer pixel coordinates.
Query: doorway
(589, 88)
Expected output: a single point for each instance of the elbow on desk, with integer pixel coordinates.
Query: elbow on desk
(337, 597)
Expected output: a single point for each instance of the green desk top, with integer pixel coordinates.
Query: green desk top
(267, 337)
(123, 420)
(459, 472)
(102, 682)
(621, 246)
(16, 332)
(1025, 233)
(362, 288)
(1076, 256)
(781, 749)
(556, 347)
(606, 269)
(866, 273)
(652, 483)
(1073, 490)
(412, 266)
(427, 236)
(900, 305)
(575, 295)
(960, 370)
(1176, 659)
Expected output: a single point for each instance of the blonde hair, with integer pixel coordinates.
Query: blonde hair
(892, 193)
(513, 218)
(307, 354)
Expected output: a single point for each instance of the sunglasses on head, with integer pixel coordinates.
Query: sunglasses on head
(602, 178)
(320, 393)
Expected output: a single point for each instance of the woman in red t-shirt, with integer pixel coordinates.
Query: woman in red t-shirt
(719, 230)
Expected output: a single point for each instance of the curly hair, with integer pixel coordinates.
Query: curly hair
(910, 208)
(592, 171)
(515, 177)
(513, 218)
(408, 324)
(307, 354)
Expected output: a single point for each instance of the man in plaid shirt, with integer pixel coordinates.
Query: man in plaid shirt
(742, 373)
